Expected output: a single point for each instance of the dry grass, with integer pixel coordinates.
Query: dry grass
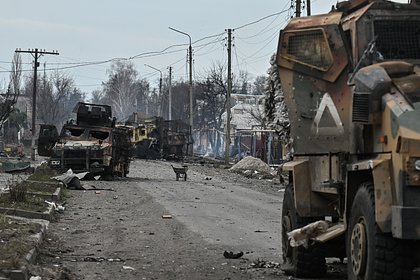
(15, 241)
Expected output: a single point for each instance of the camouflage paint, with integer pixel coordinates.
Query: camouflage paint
(320, 105)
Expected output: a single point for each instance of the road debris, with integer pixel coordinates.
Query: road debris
(231, 255)
(166, 216)
(300, 236)
(260, 263)
(102, 259)
(57, 207)
(180, 172)
(126, 267)
(250, 166)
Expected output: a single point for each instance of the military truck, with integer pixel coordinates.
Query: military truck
(351, 82)
(158, 138)
(91, 143)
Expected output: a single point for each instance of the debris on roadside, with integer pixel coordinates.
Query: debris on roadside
(71, 179)
(97, 190)
(260, 263)
(251, 166)
(231, 255)
(57, 207)
(101, 259)
(300, 236)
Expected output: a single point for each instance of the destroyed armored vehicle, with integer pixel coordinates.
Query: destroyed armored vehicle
(92, 143)
(351, 82)
(160, 138)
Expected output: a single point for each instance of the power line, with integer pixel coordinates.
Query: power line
(216, 39)
(264, 30)
(261, 19)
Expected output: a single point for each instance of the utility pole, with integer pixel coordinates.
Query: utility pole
(229, 90)
(308, 8)
(170, 94)
(190, 149)
(36, 54)
(298, 11)
(160, 89)
(298, 8)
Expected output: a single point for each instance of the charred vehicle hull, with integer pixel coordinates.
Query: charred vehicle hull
(351, 81)
(162, 138)
(100, 148)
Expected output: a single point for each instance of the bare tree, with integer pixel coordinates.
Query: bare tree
(8, 100)
(242, 82)
(97, 96)
(180, 101)
(211, 102)
(56, 97)
(55, 92)
(123, 89)
(258, 115)
(259, 85)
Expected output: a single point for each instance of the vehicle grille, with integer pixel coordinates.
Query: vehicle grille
(361, 103)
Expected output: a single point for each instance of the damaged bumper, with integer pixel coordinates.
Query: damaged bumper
(80, 160)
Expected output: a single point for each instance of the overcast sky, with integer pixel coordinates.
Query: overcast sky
(98, 30)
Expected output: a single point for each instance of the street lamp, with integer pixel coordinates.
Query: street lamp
(191, 86)
(160, 87)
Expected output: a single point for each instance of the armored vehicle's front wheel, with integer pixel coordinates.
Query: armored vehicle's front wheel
(372, 254)
(299, 261)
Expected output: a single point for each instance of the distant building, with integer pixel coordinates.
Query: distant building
(246, 113)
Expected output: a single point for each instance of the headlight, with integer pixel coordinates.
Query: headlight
(417, 164)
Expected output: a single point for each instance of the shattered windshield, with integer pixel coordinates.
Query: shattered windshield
(100, 135)
(73, 132)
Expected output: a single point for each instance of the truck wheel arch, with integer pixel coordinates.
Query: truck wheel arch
(376, 171)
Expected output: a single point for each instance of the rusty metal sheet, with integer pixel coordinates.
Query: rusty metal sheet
(383, 194)
(309, 22)
(306, 41)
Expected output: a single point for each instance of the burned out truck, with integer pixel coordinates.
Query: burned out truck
(351, 82)
(91, 143)
(169, 139)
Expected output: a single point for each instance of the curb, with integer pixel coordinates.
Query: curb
(30, 257)
(55, 197)
(46, 215)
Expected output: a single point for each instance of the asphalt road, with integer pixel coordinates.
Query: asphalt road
(221, 212)
(150, 226)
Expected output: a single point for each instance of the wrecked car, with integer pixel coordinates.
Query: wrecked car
(92, 143)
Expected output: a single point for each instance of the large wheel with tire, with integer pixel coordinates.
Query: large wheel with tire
(372, 254)
(299, 261)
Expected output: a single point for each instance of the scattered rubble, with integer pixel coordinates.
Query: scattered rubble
(260, 263)
(251, 166)
(231, 255)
